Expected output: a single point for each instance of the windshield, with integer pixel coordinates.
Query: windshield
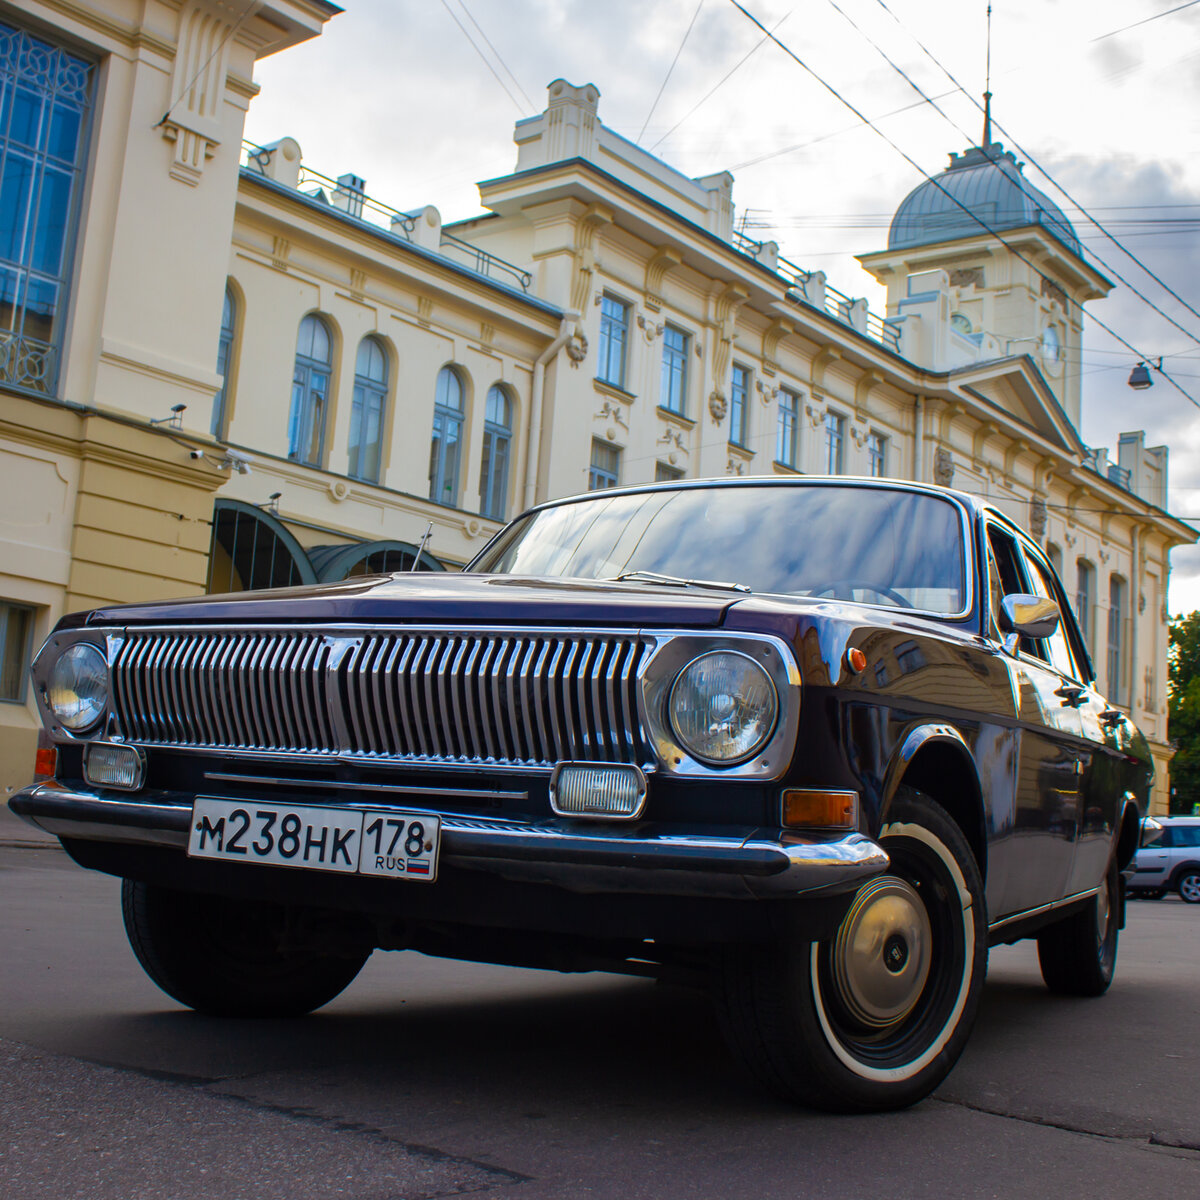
(874, 545)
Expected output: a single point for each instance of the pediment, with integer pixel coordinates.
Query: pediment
(1017, 389)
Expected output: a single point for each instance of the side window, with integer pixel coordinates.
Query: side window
(1056, 645)
(1187, 835)
(1006, 576)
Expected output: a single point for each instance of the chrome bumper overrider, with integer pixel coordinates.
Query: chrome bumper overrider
(567, 853)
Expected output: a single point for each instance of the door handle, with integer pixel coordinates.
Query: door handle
(1111, 716)
(1069, 694)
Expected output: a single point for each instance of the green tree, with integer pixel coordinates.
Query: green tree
(1183, 708)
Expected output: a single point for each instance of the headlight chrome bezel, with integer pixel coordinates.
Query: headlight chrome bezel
(673, 654)
(49, 662)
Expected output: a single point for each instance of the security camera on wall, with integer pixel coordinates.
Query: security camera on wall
(236, 462)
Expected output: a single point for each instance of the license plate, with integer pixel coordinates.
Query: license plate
(352, 841)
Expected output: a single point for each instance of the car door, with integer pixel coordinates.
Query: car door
(1036, 836)
(1100, 734)
(1152, 863)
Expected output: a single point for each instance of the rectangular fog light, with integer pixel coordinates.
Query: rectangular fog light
(108, 765)
(602, 791)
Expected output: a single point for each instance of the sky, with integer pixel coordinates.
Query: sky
(419, 97)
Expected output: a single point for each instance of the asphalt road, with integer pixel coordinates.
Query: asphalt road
(432, 1078)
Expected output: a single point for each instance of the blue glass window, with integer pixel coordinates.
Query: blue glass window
(16, 627)
(614, 336)
(497, 441)
(673, 396)
(224, 363)
(739, 392)
(785, 433)
(367, 410)
(310, 392)
(446, 447)
(605, 470)
(44, 104)
(877, 453)
(835, 439)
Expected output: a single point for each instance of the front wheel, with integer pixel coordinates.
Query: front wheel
(1189, 886)
(875, 1017)
(1078, 955)
(235, 958)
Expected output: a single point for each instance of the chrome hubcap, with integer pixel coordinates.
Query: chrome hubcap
(1103, 910)
(1190, 887)
(881, 952)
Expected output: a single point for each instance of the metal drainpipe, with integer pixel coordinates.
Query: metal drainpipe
(918, 438)
(533, 440)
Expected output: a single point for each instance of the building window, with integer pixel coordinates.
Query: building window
(739, 393)
(16, 625)
(665, 473)
(835, 439)
(446, 448)
(310, 392)
(605, 471)
(789, 423)
(224, 363)
(497, 442)
(877, 454)
(44, 104)
(614, 337)
(1085, 597)
(1054, 554)
(673, 396)
(1116, 626)
(367, 410)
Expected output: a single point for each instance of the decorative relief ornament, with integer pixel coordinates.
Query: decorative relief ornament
(612, 412)
(673, 438)
(717, 405)
(768, 392)
(943, 467)
(735, 466)
(649, 330)
(577, 347)
(1037, 517)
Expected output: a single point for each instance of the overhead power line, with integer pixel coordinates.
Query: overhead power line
(499, 56)
(483, 57)
(1146, 20)
(1054, 182)
(686, 34)
(950, 196)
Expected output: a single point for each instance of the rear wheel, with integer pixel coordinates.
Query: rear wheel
(234, 958)
(1189, 886)
(875, 1017)
(1078, 955)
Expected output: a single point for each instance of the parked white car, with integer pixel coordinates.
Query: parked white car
(1169, 859)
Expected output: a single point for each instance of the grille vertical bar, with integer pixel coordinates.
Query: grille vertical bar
(451, 696)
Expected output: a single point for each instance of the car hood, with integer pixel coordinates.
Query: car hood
(439, 598)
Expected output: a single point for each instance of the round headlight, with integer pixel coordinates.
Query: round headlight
(723, 707)
(78, 687)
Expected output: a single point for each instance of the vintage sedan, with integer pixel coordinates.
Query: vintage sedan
(812, 743)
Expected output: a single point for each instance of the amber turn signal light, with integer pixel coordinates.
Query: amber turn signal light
(45, 763)
(856, 660)
(827, 809)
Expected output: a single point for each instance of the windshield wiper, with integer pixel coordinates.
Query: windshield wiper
(676, 581)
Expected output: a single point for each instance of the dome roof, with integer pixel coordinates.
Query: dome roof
(989, 182)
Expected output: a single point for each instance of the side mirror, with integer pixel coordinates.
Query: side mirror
(1026, 616)
(1151, 832)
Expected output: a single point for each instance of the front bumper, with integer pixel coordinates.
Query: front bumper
(582, 857)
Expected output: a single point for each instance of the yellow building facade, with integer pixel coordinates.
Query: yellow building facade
(307, 384)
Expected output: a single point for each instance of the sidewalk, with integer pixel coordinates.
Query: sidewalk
(15, 832)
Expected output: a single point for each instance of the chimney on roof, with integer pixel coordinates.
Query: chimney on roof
(348, 196)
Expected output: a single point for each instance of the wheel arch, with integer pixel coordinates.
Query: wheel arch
(1178, 872)
(936, 760)
(1128, 834)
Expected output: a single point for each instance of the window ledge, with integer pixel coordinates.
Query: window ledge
(784, 469)
(676, 418)
(610, 389)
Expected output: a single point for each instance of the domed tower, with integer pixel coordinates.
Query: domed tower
(982, 265)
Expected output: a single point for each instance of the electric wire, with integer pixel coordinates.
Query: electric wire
(1046, 174)
(670, 69)
(721, 83)
(952, 198)
(1146, 20)
(483, 57)
(499, 56)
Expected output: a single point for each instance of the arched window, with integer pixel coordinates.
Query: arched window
(367, 409)
(224, 363)
(310, 392)
(497, 443)
(445, 449)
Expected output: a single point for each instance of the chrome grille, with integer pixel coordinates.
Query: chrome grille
(447, 697)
